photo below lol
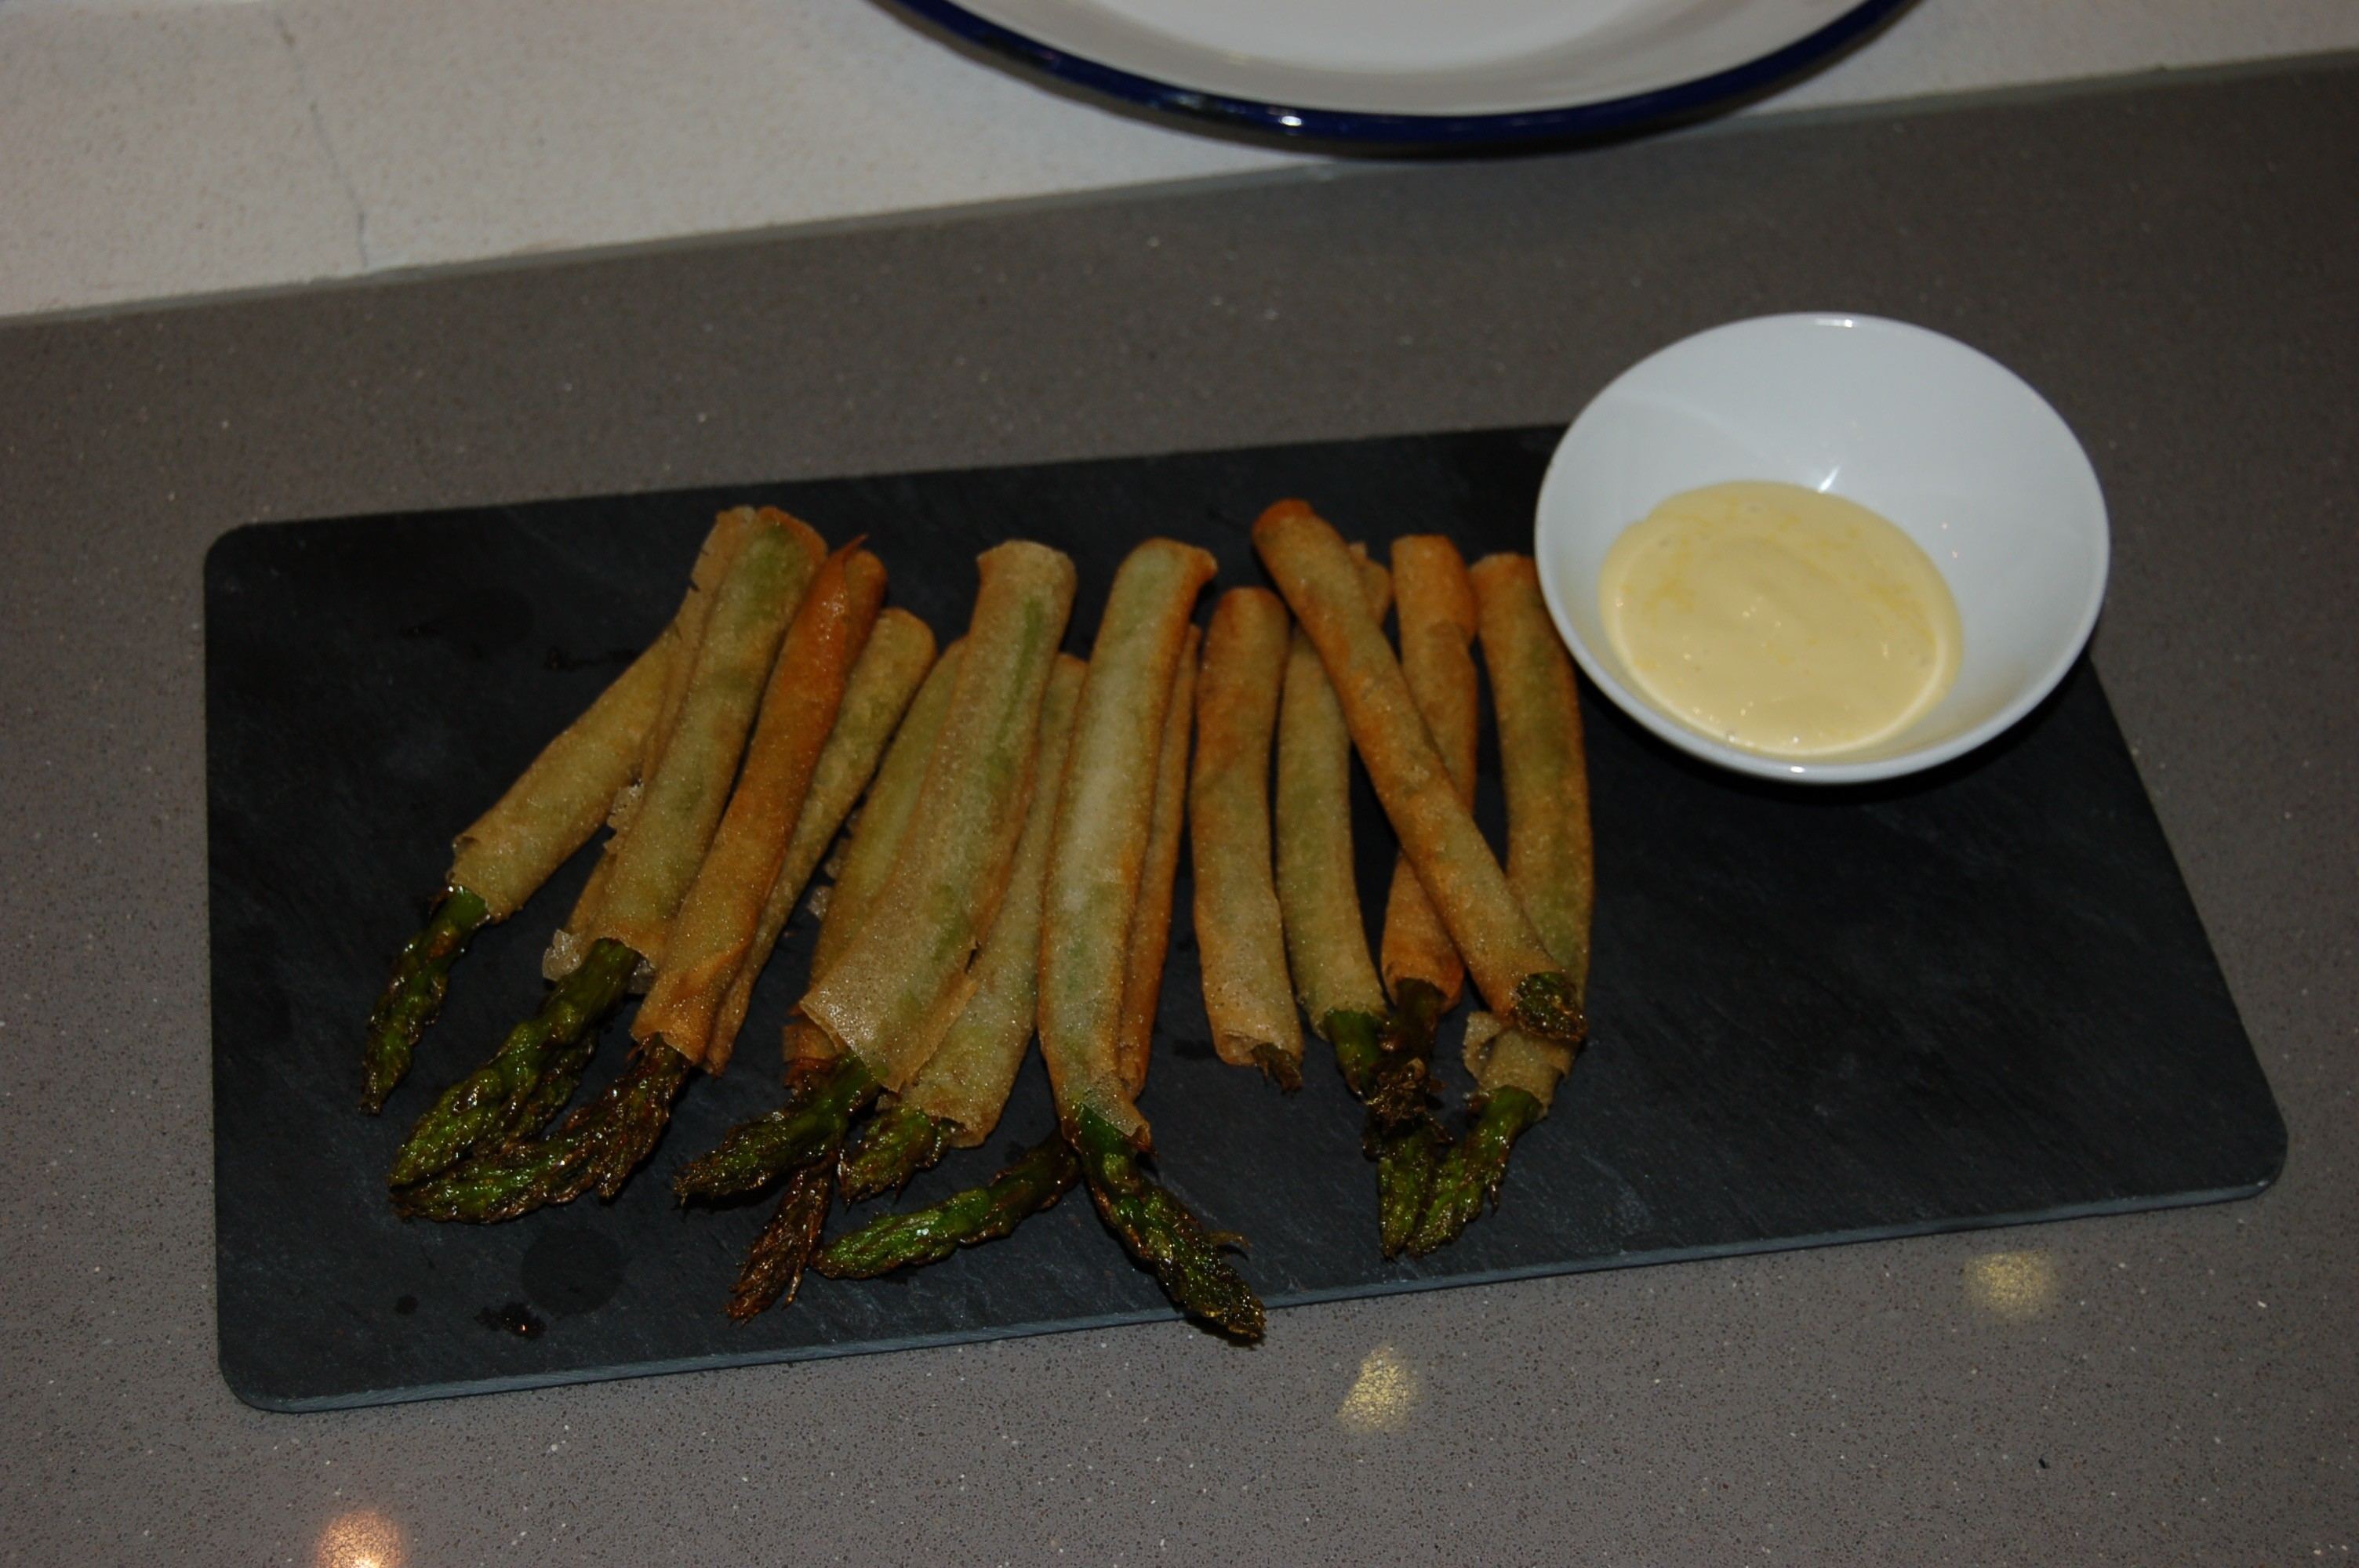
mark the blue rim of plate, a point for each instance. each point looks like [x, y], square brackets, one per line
[1282, 122]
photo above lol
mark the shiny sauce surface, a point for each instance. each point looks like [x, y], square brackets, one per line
[1781, 620]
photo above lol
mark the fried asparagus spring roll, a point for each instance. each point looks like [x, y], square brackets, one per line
[956, 1098]
[1041, 1175]
[1239, 938]
[713, 933]
[1380, 1050]
[1550, 867]
[1464, 881]
[1436, 604]
[1096, 862]
[797, 1142]
[612, 748]
[730, 530]
[1326, 939]
[899, 652]
[1098, 855]
[1150, 917]
[497, 1110]
[966, 1082]
[501, 860]
[805, 1131]
[683, 800]
[685, 637]
[885, 815]
[887, 1000]
[1545, 771]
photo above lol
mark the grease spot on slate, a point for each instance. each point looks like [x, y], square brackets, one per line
[572, 1271]
[479, 624]
[405, 1306]
[1192, 1050]
[514, 1318]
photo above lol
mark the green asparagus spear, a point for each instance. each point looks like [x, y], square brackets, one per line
[1033, 1181]
[1402, 1136]
[598, 1146]
[506, 1101]
[508, 1098]
[1550, 865]
[422, 976]
[1160, 1232]
[892, 1147]
[1409, 1163]
[774, 1268]
[806, 1129]
[505, 855]
[1468, 1176]
[1381, 1048]
[1382, 1058]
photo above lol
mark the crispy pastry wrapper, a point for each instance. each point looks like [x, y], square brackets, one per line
[1150, 917]
[1465, 882]
[899, 652]
[1543, 762]
[1503, 1058]
[1435, 600]
[680, 639]
[713, 933]
[885, 816]
[1239, 938]
[906, 976]
[558, 802]
[1317, 891]
[1545, 768]
[966, 1081]
[719, 552]
[681, 804]
[1099, 853]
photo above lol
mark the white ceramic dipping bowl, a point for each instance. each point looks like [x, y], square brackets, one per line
[1949, 443]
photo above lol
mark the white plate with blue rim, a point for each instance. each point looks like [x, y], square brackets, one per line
[1413, 75]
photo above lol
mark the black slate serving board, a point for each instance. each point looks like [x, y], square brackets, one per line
[1975, 998]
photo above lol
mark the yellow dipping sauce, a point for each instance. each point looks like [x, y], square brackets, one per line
[1780, 620]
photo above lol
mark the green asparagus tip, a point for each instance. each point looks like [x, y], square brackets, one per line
[1406, 1160]
[599, 1146]
[755, 1153]
[422, 976]
[894, 1146]
[492, 1106]
[1548, 1004]
[1468, 1176]
[1160, 1232]
[1033, 1182]
[773, 1271]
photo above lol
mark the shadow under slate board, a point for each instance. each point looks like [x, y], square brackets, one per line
[1973, 999]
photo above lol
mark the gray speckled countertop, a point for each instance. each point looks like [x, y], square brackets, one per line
[2171, 264]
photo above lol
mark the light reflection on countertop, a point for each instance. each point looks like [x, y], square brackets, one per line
[363, 1537]
[1383, 1396]
[2012, 1287]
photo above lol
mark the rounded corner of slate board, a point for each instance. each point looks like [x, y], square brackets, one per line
[2274, 1144]
[232, 549]
[249, 1381]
